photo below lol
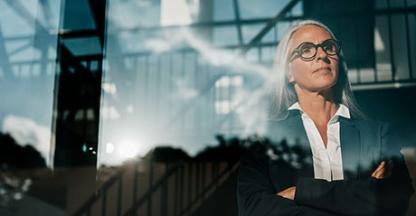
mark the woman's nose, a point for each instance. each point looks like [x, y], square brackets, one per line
[321, 54]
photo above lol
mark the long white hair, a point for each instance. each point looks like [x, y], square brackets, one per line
[285, 94]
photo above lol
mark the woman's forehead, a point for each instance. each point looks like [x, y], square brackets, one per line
[309, 33]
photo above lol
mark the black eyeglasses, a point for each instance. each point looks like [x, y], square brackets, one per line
[307, 50]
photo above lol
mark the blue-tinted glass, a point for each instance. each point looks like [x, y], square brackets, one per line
[223, 10]
[83, 46]
[260, 8]
[79, 15]
[250, 31]
[224, 36]
[27, 71]
[133, 13]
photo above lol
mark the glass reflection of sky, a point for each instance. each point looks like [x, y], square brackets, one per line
[154, 95]
[251, 9]
[27, 61]
[28, 53]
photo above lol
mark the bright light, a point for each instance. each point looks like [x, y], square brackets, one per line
[128, 149]
[109, 88]
[109, 148]
[125, 147]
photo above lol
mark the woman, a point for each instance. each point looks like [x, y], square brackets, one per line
[315, 105]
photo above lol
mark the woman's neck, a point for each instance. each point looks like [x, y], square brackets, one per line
[320, 106]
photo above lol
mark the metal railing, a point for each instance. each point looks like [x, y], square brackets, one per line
[193, 182]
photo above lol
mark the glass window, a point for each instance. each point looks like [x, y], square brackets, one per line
[27, 60]
[223, 10]
[250, 9]
[225, 36]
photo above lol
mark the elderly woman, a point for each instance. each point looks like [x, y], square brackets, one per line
[355, 166]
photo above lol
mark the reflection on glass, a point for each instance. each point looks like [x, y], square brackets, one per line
[27, 58]
[178, 86]
[223, 10]
[251, 9]
[28, 42]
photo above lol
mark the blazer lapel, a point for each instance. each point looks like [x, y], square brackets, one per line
[295, 124]
[290, 128]
[350, 138]
[350, 148]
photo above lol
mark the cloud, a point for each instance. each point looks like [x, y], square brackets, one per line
[26, 131]
[249, 104]
[215, 56]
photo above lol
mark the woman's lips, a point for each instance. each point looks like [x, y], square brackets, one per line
[322, 69]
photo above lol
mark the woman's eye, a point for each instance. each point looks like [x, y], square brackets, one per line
[307, 50]
[329, 47]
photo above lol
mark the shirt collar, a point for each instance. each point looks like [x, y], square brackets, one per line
[342, 111]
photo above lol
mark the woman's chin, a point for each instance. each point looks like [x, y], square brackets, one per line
[323, 86]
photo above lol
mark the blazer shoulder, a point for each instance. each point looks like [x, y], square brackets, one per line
[382, 128]
[369, 122]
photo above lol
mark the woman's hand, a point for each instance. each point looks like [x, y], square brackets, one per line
[288, 193]
[382, 171]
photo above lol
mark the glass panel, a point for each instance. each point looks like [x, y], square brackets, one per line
[223, 10]
[80, 15]
[179, 102]
[401, 59]
[225, 36]
[123, 13]
[260, 8]
[165, 93]
[411, 2]
[28, 53]
[396, 4]
[382, 49]
[250, 31]
[27, 59]
[380, 4]
[412, 41]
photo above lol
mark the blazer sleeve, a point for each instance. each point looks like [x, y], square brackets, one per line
[368, 196]
[256, 195]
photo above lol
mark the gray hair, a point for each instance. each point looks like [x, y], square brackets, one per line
[285, 94]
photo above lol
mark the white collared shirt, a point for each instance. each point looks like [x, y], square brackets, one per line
[327, 162]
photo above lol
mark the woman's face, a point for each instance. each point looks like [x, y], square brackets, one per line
[314, 74]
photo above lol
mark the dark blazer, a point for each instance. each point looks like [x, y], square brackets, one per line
[364, 144]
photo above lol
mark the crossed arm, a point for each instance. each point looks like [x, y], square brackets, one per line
[256, 196]
[381, 172]
[379, 194]
[386, 192]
